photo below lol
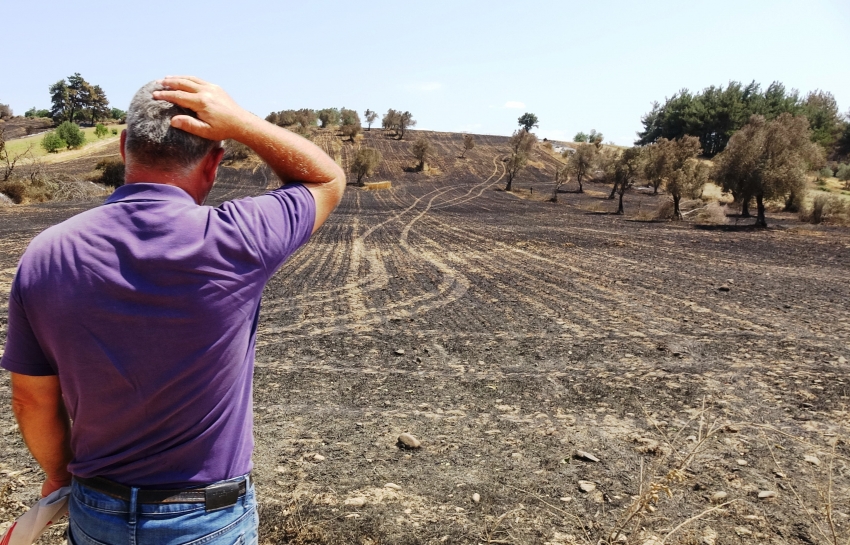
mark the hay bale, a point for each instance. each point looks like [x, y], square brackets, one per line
[378, 185]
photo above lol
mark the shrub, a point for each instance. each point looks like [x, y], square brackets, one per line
[100, 130]
[5, 111]
[52, 142]
[827, 208]
[112, 172]
[114, 132]
[23, 191]
[712, 214]
[825, 172]
[236, 151]
[71, 134]
[117, 114]
[33, 112]
[843, 173]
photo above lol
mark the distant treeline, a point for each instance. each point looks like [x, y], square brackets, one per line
[716, 113]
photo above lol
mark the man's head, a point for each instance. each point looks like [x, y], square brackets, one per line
[156, 152]
[153, 142]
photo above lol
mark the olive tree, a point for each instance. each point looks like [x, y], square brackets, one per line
[580, 162]
[562, 176]
[468, 144]
[71, 134]
[522, 143]
[768, 160]
[366, 161]
[626, 169]
[528, 121]
[422, 150]
[350, 123]
[328, 117]
[674, 164]
[370, 117]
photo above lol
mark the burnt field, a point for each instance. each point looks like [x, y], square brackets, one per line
[573, 376]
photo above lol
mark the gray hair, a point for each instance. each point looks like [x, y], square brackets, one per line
[151, 140]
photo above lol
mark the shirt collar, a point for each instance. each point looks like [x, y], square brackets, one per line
[149, 192]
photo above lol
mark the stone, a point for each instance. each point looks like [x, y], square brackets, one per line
[719, 497]
[586, 486]
[741, 462]
[407, 440]
[399, 352]
[812, 459]
[567, 499]
[709, 536]
[842, 360]
[476, 497]
[393, 486]
[584, 455]
[724, 288]
[742, 531]
[516, 455]
[767, 494]
[318, 458]
[357, 501]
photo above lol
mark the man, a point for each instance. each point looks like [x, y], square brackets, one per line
[136, 321]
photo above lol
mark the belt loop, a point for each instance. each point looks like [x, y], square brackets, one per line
[134, 509]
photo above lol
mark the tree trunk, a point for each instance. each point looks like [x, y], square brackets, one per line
[580, 187]
[760, 221]
[791, 202]
[613, 192]
[655, 191]
[745, 208]
[508, 187]
[620, 209]
[677, 214]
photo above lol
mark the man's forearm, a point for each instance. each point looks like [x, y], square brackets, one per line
[44, 425]
[291, 157]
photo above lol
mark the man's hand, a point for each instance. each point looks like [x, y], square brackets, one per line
[51, 485]
[291, 157]
[219, 117]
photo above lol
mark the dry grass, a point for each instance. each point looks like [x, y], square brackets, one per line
[826, 209]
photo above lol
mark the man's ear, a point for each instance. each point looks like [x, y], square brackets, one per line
[211, 162]
[123, 145]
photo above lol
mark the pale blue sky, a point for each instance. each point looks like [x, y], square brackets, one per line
[454, 64]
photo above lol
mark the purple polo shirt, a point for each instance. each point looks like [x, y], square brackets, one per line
[147, 308]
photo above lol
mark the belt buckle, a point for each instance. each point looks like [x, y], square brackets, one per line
[219, 496]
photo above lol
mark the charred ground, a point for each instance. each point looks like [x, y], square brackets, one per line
[508, 334]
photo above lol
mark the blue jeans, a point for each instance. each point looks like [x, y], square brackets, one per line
[99, 519]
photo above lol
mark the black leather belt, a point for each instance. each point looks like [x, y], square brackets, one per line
[215, 496]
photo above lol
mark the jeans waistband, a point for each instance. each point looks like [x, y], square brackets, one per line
[214, 496]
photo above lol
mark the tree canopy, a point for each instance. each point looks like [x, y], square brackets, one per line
[768, 159]
[580, 162]
[716, 113]
[522, 143]
[422, 150]
[370, 117]
[78, 99]
[674, 164]
[366, 160]
[528, 121]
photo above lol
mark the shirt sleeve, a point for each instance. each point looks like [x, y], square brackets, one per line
[23, 353]
[275, 224]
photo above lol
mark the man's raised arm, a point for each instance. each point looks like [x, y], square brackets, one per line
[291, 157]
